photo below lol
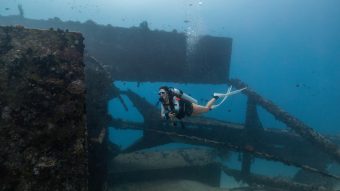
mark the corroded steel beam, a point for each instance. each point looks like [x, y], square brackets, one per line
[200, 138]
[273, 145]
[275, 142]
[298, 126]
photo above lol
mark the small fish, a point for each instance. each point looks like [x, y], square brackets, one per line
[186, 21]
[7, 8]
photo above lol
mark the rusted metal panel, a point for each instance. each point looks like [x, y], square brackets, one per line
[144, 55]
[140, 54]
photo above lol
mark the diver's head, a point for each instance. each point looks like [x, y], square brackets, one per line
[163, 92]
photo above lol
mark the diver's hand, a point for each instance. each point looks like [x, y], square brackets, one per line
[172, 115]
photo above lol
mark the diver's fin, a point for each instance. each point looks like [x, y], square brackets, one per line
[229, 93]
[223, 94]
[226, 95]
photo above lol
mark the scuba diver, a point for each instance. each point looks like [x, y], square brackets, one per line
[177, 104]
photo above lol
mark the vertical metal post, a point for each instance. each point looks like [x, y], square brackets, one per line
[252, 130]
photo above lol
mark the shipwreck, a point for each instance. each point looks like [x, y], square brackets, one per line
[73, 152]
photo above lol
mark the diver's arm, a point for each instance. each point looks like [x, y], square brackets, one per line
[163, 116]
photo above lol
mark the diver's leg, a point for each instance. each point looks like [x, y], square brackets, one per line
[211, 102]
[199, 109]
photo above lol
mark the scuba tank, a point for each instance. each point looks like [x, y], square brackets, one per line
[182, 95]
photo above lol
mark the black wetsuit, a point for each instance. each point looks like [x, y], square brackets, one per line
[178, 106]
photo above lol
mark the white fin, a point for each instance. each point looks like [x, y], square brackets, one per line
[226, 95]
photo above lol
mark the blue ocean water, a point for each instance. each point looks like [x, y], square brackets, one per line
[286, 50]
